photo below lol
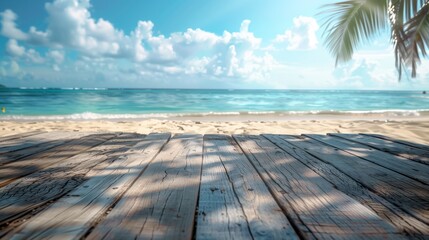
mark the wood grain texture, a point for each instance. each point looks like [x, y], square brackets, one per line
[28, 193]
[408, 195]
[315, 206]
[37, 162]
[411, 144]
[411, 169]
[71, 216]
[406, 151]
[18, 149]
[18, 135]
[403, 221]
[120, 186]
[32, 140]
[161, 203]
[234, 202]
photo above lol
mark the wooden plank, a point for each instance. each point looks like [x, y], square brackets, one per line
[411, 169]
[220, 213]
[71, 216]
[411, 144]
[386, 210]
[316, 208]
[234, 199]
[161, 203]
[412, 153]
[408, 195]
[35, 144]
[19, 135]
[25, 142]
[36, 162]
[27, 194]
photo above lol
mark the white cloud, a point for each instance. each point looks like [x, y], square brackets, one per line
[34, 56]
[366, 73]
[11, 70]
[302, 36]
[56, 56]
[193, 52]
[232, 61]
[17, 51]
[70, 25]
[14, 67]
[9, 28]
[13, 49]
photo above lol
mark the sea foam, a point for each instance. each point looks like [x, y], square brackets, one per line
[98, 116]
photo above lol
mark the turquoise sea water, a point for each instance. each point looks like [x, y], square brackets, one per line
[143, 103]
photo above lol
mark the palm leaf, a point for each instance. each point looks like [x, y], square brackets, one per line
[396, 16]
[349, 23]
[411, 7]
[417, 29]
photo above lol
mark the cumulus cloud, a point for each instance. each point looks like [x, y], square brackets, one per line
[366, 73]
[16, 51]
[70, 25]
[34, 56]
[13, 49]
[192, 52]
[56, 56]
[9, 28]
[302, 36]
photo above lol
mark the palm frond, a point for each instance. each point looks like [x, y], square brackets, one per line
[411, 7]
[349, 23]
[417, 29]
[396, 13]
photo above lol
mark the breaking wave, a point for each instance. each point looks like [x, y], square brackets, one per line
[98, 116]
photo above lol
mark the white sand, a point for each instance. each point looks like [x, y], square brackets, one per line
[416, 129]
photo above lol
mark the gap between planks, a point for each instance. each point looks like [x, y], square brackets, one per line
[33, 163]
[234, 202]
[73, 215]
[317, 208]
[414, 170]
[24, 147]
[406, 151]
[28, 194]
[161, 203]
[403, 221]
[409, 195]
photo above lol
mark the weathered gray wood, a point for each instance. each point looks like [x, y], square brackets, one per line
[411, 169]
[71, 216]
[234, 199]
[403, 221]
[28, 193]
[36, 162]
[316, 208]
[412, 153]
[25, 142]
[22, 148]
[408, 195]
[161, 203]
[5, 139]
[412, 144]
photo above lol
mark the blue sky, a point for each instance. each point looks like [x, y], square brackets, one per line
[183, 44]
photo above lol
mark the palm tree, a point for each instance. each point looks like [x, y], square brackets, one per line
[349, 23]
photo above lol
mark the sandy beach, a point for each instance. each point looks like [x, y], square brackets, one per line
[411, 129]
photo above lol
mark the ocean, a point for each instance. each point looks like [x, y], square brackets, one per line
[77, 103]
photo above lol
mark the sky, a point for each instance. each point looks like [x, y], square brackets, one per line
[252, 44]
